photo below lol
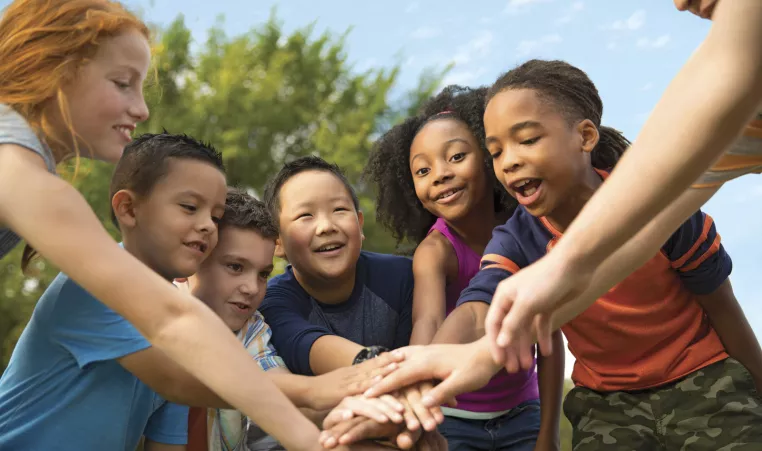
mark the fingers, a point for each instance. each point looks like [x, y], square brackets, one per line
[329, 438]
[436, 411]
[411, 420]
[413, 396]
[445, 391]
[406, 439]
[408, 373]
[381, 409]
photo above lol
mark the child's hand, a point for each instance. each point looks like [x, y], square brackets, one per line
[416, 414]
[359, 428]
[523, 305]
[352, 380]
[461, 368]
[382, 409]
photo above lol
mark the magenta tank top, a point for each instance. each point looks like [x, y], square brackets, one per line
[504, 391]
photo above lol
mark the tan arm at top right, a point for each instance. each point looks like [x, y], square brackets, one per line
[54, 218]
[702, 112]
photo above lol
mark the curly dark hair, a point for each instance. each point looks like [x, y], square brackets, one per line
[397, 206]
[570, 90]
[244, 211]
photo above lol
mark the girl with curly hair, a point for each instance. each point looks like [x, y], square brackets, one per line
[437, 189]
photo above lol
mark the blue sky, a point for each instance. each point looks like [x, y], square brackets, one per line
[631, 50]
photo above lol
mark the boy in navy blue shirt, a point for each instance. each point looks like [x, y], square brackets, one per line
[336, 304]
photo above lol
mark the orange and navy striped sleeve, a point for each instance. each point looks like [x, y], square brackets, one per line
[697, 254]
[502, 258]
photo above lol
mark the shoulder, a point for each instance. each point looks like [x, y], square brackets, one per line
[283, 289]
[15, 133]
[433, 253]
[386, 264]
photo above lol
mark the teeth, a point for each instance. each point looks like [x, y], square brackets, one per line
[521, 183]
[448, 193]
[329, 247]
[529, 191]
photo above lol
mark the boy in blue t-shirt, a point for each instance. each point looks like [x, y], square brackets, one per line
[81, 375]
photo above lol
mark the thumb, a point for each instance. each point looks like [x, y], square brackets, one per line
[445, 391]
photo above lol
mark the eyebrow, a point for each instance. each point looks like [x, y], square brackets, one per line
[447, 145]
[515, 128]
[198, 197]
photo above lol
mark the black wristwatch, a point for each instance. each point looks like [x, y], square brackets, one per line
[371, 352]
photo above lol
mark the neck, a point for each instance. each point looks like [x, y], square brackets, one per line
[131, 247]
[333, 291]
[565, 213]
[475, 229]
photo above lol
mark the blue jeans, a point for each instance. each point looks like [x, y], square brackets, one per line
[516, 430]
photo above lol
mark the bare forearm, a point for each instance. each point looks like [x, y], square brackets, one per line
[295, 387]
[550, 373]
[464, 325]
[424, 331]
[730, 323]
[712, 98]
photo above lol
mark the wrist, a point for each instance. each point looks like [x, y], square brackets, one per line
[481, 350]
[370, 352]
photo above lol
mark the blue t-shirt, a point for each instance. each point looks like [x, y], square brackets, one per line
[64, 390]
[378, 312]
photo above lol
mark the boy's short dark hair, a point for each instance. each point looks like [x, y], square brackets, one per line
[144, 161]
[303, 164]
[244, 211]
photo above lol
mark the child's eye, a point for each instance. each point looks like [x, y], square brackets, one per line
[531, 141]
[265, 275]
[191, 208]
[216, 219]
[303, 215]
[458, 156]
[121, 85]
[495, 155]
[421, 172]
[341, 209]
[236, 267]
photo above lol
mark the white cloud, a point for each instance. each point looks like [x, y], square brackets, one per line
[464, 77]
[425, 33]
[517, 6]
[655, 43]
[634, 22]
[528, 47]
[478, 47]
[571, 13]
[412, 7]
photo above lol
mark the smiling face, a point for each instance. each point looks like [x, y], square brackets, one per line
[232, 281]
[448, 169]
[538, 156]
[105, 99]
[174, 227]
[320, 229]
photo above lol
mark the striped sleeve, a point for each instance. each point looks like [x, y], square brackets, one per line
[502, 258]
[257, 342]
[697, 254]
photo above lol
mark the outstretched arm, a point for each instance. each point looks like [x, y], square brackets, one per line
[57, 221]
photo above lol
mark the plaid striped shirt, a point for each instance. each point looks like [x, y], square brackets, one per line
[226, 429]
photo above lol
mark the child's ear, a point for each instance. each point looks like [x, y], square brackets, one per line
[123, 204]
[589, 134]
[361, 220]
[279, 252]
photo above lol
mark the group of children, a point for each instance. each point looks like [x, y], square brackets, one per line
[483, 181]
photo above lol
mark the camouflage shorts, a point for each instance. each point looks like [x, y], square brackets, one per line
[714, 408]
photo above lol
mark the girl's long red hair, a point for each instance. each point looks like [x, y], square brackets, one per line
[43, 43]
